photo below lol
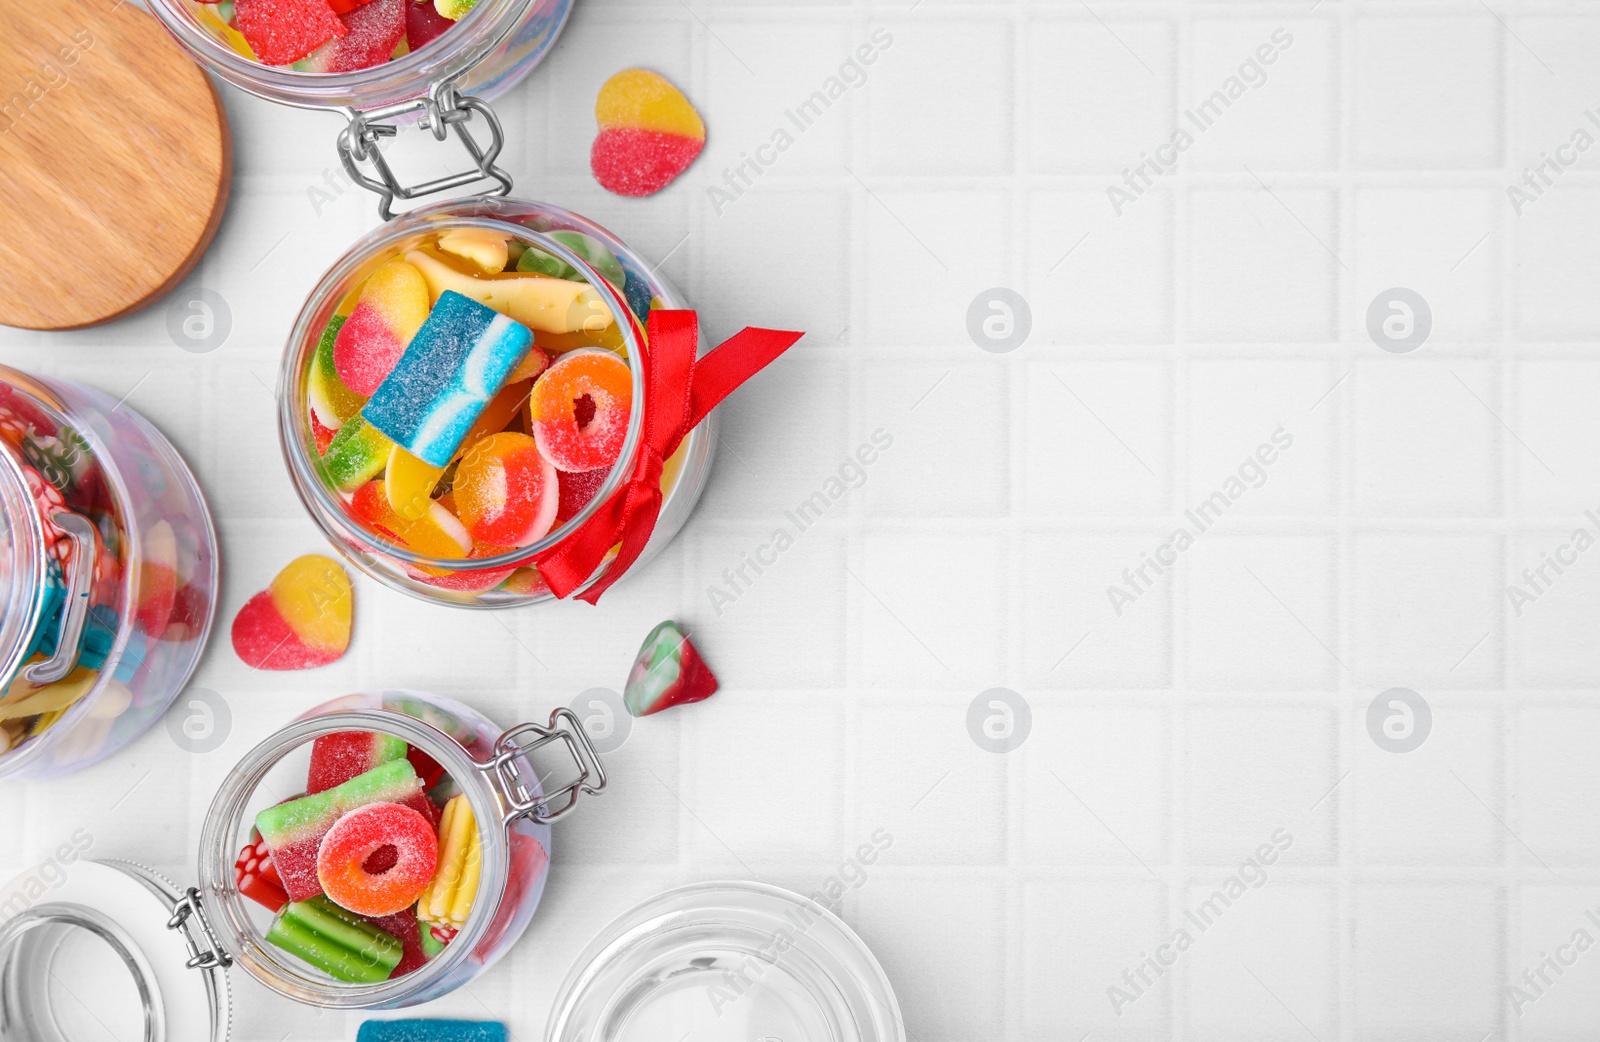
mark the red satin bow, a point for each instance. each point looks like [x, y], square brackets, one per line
[679, 392]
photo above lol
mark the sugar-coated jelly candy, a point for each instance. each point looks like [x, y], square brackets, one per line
[342, 858]
[540, 303]
[338, 942]
[409, 483]
[336, 758]
[432, 1031]
[577, 489]
[403, 926]
[438, 533]
[448, 899]
[579, 410]
[668, 672]
[372, 31]
[454, 365]
[649, 133]
[332, 403]
[594, 251]
[390, 307]
[255, 878]
[294, 830]
[357, 453]
[506, 490]
[423, 23]
[284, 31]
[302, 620]
[455, 10]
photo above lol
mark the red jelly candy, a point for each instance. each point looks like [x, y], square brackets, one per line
[577, 490]
[255, 877]
[634, 162]
[336, 758]
[284, 31]
[372, 31]
[423, 23]
[342, 859]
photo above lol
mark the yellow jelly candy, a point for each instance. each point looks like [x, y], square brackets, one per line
[447, 901]
[312, 595]
[482, 247]
[537, 301]
[409, 483]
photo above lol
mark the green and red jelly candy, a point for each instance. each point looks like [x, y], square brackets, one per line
[668, 672]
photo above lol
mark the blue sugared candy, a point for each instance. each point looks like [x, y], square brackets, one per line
[456, 362]
[431, 1031]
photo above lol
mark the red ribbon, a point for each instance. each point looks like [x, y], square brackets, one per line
[679, 392]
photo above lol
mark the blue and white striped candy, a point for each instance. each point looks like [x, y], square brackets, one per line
[457, 362]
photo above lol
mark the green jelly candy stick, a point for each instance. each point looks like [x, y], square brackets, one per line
[345, 948]
[356, 454]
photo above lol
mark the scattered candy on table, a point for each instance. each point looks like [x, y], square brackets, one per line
[431, 1031]
[301, 621]
[668, 672]
[649, 133]
[328, 35]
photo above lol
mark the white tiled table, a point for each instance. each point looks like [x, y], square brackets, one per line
[1167, 743]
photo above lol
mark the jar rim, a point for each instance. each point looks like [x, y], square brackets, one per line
[322, 502]
[447, 57]
[226, 906]
[22, 567]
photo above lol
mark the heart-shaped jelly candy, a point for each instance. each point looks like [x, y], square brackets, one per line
[302, 620]
[649, 133]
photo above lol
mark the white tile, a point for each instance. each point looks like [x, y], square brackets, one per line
[1416, 420]
[1551, 257]
[1425, 961]
[1262, 263]
[1430, 610]
[1251, 771]
[1446, 244]
[1552, 590]
[1555, 783]
[1236, 410]
[1554, 992]
[910, 633]
[925, 471]
[1426, 91]
[1098, 97]
[921, 119]
[1098, 438]
[1263, 93]
[1099, 272]
[1077, 940]
[1551, 414]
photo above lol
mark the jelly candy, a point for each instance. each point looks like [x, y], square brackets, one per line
[427, 768]
[335, 941]
[158, 579]
[447, 901]
[488, 250]
[432, 1031]
[284, 31]
[506, 490]
[356, 837]
[372, 31]
[423, 23]
[436, 534]
[435, 938]
[594, 251]
[579, 410]
[357, 453]
[639, 297]
[456, 362]
[543, 304]
[471, 580]
[455, 10]
[577, 489]
[649, 133]
[668, 672]
[294, 830]
[403, 926]
[301, 621]
[321, 435]
[507, 404]
[255, 878]
[526, 581]
[336, 758]
[409, 483]
[527, 370]
[391, 306]
[332, 403]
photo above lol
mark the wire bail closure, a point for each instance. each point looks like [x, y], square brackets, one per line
[443, 110]
[517, 793]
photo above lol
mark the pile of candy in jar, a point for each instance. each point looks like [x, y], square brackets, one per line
[64, 479]
[367, 876]
[328, 35]
[471, 395]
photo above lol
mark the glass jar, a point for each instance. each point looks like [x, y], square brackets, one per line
[486, 53]
[492, 581]
[178, 942]
[726, 962]
[108, 575]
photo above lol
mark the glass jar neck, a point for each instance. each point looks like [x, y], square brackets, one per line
[22, 566]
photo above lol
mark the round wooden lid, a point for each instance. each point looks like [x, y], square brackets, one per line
[114, 162]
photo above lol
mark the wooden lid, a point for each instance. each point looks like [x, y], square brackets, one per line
[115, 157]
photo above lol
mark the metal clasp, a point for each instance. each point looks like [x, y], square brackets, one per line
[443, 110]
[211, 956]
[516, 792]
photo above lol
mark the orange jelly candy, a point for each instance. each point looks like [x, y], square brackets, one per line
[579, 410]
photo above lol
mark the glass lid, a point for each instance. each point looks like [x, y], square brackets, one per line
[726, 962]
[22, 564]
